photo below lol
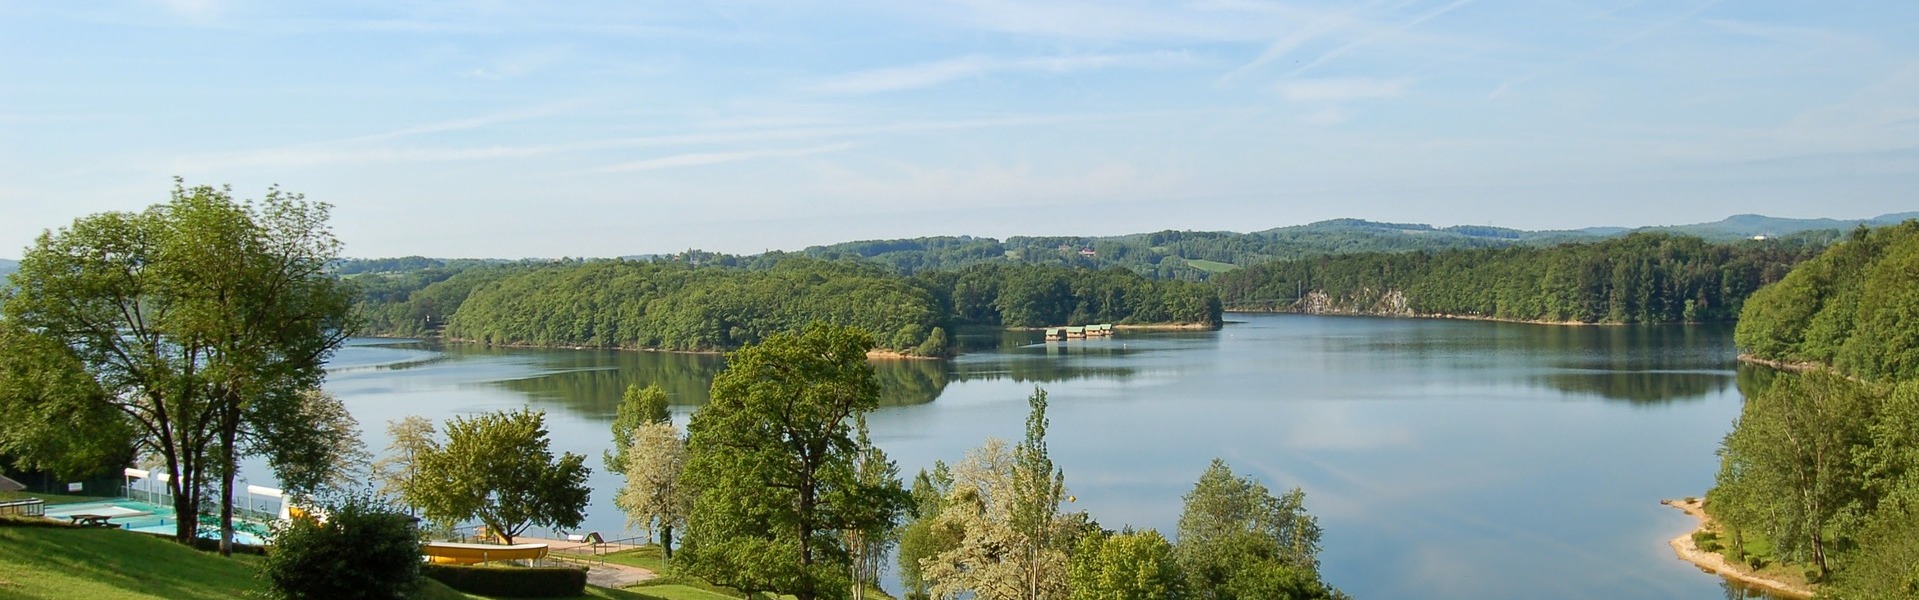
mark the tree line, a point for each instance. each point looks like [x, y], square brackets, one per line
[1821, 472]
[1639, 278]
[674, 305]
[1851, 308]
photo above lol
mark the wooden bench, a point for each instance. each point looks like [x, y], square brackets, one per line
[91, 520]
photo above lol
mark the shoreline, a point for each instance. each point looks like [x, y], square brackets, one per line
[1713, 562]
[1451, 317]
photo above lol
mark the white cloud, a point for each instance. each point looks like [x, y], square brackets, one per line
[893, 79]
[1341, 89]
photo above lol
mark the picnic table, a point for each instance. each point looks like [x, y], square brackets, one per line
[91, 520]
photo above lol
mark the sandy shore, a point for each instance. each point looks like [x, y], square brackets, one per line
[1715, 563]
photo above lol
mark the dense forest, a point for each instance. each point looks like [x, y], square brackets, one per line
[1639, 278]
[1198, 255]
[674, 305]
[1852, 308]
[1189, 255]
[1820, 475]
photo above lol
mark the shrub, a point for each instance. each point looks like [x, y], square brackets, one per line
[511, 582]
[361, 550]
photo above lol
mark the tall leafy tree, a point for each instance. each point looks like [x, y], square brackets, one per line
[497, 468]
[924, 536]
[58, 418]
[874, 524]
[413, 438]
[1013, 542]
[639, 407]
[654, 498]
[771, 465]
[1792, 464]
[1126, 566]
[1237, 541]
[1038, 488]
[201, 320]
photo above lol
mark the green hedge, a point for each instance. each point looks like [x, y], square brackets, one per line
[510, 582]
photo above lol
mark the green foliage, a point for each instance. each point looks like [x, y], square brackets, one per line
[203, 320]
[1790, 462]
[511, 582]
[1126, 566]
[497, 468]
[772, 465]
[1640, 278]
[675, 306]
[361, 550]
[1239, 542]
[1852, 308]
[672, 305]
[654, 497]
[58, 419]
[639, 406]
[873, 526]
[924, 536]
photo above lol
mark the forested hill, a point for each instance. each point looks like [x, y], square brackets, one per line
[1855, 308]
[1190, 255]
[1197, 255]
[7, 267]
[675, 305]
[1640, 278]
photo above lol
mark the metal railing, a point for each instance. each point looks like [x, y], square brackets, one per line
[31, 507]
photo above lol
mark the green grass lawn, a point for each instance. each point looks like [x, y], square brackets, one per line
[48, 498]
[113, 564]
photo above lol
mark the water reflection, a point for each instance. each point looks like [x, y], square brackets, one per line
[1446, 459]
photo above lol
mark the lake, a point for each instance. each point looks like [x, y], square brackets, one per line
[1444, 459]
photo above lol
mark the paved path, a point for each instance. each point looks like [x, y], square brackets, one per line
[608, 575]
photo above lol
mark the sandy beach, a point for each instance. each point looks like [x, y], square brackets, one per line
[1715, 563]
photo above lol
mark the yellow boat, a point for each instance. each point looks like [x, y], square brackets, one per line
[452, 553]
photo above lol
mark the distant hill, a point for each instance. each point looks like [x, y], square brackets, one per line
[1746, 226]
[8, 266]
[1192, 255]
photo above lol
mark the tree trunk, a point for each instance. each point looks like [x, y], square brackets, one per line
[229, 427]
[666, 540]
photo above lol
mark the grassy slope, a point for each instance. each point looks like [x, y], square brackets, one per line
[107, 564]
[111, 564]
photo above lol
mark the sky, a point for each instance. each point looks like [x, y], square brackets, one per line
[588, 128]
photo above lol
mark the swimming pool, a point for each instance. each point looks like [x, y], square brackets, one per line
[140, 516]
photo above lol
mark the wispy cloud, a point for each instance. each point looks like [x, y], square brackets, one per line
[362, 150]
[1381, 34]
[893, 79]
[1314, 29]
[1629, 38]
[1341, 89]
[696, 159]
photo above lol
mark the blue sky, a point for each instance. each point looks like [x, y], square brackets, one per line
[510, 129]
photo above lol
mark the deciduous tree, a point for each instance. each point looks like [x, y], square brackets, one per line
[201, 320]
[771, 465]
[654, 499]
[1239, 542]
[497, 468]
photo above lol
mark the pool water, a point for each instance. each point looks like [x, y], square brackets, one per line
[144, 517]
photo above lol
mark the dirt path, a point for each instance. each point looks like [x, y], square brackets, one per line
[1716, 563]
[614, 576]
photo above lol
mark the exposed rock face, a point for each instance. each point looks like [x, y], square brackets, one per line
[1367, 301]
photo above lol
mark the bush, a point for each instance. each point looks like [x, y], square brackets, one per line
[361, 550]
[1706, 540]
[511, 582]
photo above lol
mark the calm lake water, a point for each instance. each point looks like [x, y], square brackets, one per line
[1444, 459]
